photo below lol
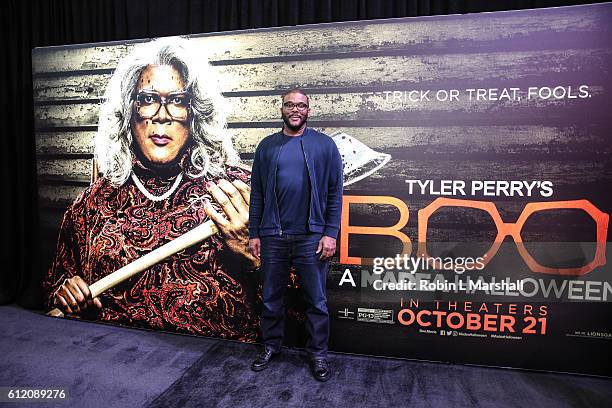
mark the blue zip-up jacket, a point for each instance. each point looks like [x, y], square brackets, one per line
[324, 167]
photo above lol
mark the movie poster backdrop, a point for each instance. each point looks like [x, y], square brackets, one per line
[477, 153]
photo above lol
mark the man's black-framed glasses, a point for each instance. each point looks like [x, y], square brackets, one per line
[290, 105]
[178, 104]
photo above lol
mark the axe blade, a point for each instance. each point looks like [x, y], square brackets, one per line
[358, 160]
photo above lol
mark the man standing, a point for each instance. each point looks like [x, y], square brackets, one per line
[294, 218]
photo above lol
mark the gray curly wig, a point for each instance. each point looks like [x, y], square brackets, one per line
[212, 143]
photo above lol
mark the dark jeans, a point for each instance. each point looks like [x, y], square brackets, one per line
[278, 253]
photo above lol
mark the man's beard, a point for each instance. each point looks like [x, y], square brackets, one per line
[294, 128]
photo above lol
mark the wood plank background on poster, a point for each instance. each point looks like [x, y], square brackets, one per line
[348, 69]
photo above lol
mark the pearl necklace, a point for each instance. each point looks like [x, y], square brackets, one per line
[155, 198]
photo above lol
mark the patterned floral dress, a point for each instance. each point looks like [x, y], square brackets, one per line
[204, 290]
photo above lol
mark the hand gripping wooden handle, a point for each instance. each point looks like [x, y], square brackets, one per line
[198, 234]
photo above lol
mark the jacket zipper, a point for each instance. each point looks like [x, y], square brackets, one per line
[309, 178]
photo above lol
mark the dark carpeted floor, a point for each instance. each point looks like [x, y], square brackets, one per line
[106, 366]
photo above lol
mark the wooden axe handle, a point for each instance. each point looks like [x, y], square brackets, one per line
[198, 234]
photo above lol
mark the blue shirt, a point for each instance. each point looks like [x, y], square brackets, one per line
[292, 187]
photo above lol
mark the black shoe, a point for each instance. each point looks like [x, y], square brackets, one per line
[262, 360]
[320, 369]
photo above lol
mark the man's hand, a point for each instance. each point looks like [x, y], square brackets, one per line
[233, 198]
[74, 297]
[327, 247]
[255, 247]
